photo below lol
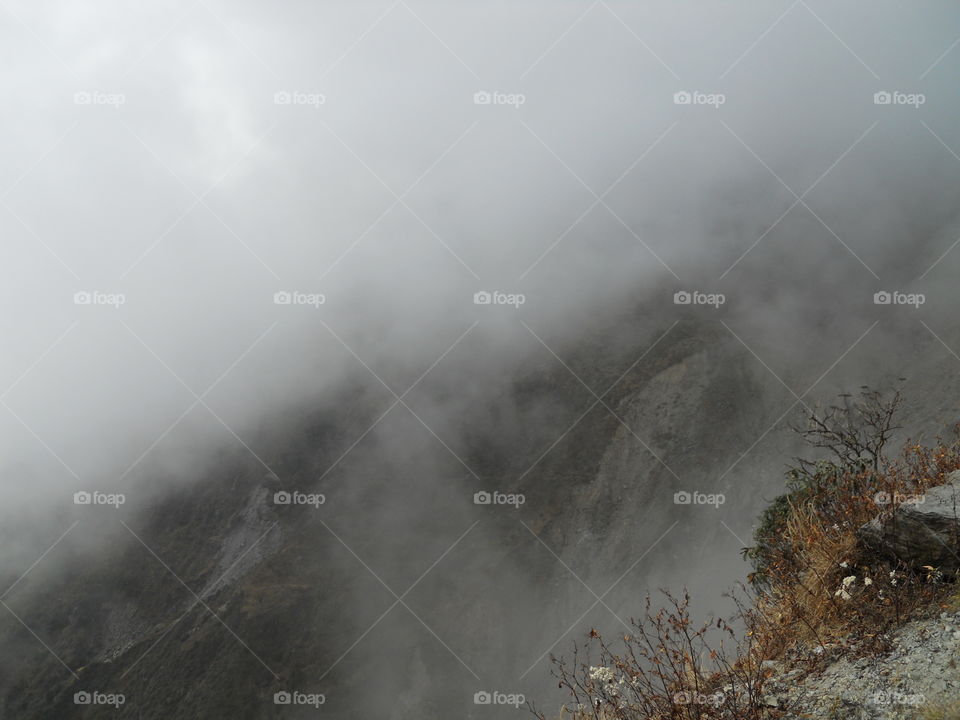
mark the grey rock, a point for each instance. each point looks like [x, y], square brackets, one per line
[922, 533]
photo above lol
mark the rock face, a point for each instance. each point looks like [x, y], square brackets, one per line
[922, 531]
[916, 677]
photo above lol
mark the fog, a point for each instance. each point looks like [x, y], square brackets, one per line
[170, 168]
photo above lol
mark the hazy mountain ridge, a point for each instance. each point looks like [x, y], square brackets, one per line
[599, 499]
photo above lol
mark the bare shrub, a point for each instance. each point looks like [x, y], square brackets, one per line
[668, 667]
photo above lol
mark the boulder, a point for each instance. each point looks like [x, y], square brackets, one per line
[922, 530]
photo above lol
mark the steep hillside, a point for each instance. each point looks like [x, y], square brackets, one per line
[399, 597]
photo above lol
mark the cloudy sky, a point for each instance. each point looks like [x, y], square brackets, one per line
[183, 162]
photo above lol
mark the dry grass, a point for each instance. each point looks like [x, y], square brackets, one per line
[819, 585]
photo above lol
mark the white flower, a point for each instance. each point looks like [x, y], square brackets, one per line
[867, 581]
[842, 590]
[843, 564]
[603, 674]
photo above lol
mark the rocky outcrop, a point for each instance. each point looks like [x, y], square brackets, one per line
[921, 530]
[918, 675]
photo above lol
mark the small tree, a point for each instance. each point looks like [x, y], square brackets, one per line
[856, 431]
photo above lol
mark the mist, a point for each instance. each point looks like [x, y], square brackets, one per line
[217, 217]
